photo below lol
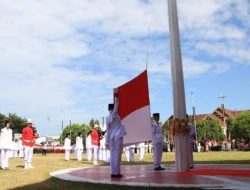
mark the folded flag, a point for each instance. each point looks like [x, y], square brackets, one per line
[134, 109]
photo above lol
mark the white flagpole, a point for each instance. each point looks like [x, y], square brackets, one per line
[181, 140]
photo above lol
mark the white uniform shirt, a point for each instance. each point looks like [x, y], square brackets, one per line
[115, 129]
[67, 144]
[157, 136]
[6, 138]
[79, 143]
[88, 141]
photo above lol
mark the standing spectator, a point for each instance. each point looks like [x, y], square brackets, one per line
[79, 146]
[209, 145]
[95, 137]
[89, 146]
[171, 146]
[233, 144]
[6, 143]
[157, 139]
[28, 138]
[67, 146]
[206, 145]
[229, 144]
[44, 151]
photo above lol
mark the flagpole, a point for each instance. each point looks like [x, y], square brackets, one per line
[179, 104]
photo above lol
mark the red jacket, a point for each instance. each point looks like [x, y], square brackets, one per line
[95, 137]
[28, 137]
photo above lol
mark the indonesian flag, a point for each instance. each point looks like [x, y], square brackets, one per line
[134, 109]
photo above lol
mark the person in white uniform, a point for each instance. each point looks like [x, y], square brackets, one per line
[79, 146]
[6, 144]
[67, 147]
[141, 147]
[132, 153]
[157, 139]
[114, 138]
[88, 146]
[126, 151]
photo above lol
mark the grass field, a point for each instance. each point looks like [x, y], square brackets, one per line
[39, 178]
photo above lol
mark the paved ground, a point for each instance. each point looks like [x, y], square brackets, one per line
[207, 176]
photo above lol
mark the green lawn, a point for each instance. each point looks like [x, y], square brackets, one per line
[39, 178]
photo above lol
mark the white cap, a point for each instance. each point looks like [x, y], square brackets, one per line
[29, 121]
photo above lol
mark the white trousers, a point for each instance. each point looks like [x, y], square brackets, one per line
[21, 153]
[115, 155]
[158, 149]
[107, 156]
[79, 154]
[89, 154]
[127, 154]
[67, 152]
[5, 153]
[96, 149]
[141, 154]
[104, 153]
[131, 154]
[28, 154]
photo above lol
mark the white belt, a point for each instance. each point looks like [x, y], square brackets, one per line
[27, 140]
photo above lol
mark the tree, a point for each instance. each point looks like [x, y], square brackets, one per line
[209, 129]
[2, 119]
[17, 122]
[240, 126]
[74, 130]
[92, 122]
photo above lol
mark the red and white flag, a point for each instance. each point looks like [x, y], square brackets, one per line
[134, 109]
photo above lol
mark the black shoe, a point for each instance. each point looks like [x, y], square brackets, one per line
[192, 167]
[159, 168]
[116, 175]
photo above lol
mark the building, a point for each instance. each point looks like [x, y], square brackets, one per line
[220, 114]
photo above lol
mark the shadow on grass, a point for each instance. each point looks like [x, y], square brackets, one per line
[57, 184]
[20, 166]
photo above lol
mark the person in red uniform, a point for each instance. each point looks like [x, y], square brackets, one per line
[95, 141]
[28, 138]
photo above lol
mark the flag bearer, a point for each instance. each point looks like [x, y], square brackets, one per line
[79, 146]
[6, 143]
[157, 139]
[28, 138]
[114, 138]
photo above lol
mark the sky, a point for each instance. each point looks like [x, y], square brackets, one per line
[60, 59]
